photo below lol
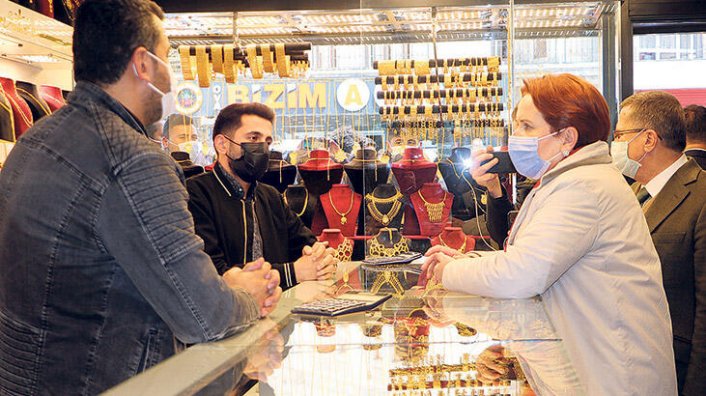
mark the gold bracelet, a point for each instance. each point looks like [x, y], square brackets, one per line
[203, 67]
[282, 60]
[187, 63]
[217, 58]
[228, 69]
[386, 68]
[267, 61]
[254, 62]
[421, 67]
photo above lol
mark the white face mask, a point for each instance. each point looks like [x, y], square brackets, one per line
[168, 98]
[627, 165]
[193, 147]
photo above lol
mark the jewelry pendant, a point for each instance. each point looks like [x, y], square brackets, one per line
[385, 220]
[344, 220]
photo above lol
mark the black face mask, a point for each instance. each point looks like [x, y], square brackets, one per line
[252, 165]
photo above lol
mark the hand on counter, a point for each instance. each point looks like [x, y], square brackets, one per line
[480, 172]
[437, 258]
[316, 263]
[265, 355]
[260, 280]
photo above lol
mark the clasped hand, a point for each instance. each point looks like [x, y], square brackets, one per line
[260, 280]
[437, 258]
[316, 263]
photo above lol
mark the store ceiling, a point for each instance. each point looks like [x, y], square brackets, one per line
[386, 25]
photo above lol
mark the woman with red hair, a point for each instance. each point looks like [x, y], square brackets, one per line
[580, 242]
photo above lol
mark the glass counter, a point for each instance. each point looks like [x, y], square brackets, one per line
[419, 342]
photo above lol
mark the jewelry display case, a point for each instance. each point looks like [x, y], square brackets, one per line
[373, 96]
[419, 343]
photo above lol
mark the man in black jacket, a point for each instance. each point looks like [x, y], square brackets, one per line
[696, 134]
[241, 220]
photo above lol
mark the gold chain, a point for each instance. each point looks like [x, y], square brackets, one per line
[435, 211]
[344, 219]
[306, 202]
[462, 249]
[384, 218]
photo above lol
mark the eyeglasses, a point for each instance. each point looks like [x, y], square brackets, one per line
[619, 133]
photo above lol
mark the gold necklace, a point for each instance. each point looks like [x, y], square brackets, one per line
[435, 211]
[462, 249]
[377, 249]
[306, 202]
[344, 219]
[384, 218]
[344, 251]
[461, 176]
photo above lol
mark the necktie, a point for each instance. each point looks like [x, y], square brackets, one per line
[642, 196]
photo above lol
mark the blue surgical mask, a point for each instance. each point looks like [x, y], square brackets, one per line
[627, 165]
[525, 157]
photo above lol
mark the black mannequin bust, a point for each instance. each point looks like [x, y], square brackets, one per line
[300, 202]
[280, 173]
[366, 172]
[30, 93]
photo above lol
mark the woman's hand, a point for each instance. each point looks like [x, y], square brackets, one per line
[480, 172]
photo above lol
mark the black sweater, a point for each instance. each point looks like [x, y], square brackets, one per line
[223, 219]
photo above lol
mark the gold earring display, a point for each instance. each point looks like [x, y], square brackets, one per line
[187, 63]
[203, 67]
[217, 58]
[267, 62]
[228, 68]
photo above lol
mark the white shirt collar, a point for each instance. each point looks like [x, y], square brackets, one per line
[657, 183]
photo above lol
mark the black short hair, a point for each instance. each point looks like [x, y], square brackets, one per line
[229, 118]
[695, 124]
[106, 34]
[661, 112]
[176, 119]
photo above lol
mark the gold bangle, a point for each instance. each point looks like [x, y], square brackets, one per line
[421, 67]
[228, 69]
[282, 60]
[217, 58]
[254, 62]
[385, 68]
[203, 67]
[187, 63]
[383, 80]
[267, 62]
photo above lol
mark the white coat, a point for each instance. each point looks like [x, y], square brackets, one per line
[582, 243]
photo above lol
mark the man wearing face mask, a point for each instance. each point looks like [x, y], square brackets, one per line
[241, 220]
[103, 275]
[649, 139]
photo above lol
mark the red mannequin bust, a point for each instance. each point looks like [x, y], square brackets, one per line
[432, 205]
[21, 112]
[341, 206]
[320, 172]
[53, 97]
[336, 240]
[454, 238]
[413, 170]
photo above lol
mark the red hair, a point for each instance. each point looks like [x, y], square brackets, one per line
[566, 100]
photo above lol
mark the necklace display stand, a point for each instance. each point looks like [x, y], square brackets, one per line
[21, 113]
[52, 96]
[301, 203]
[454, 238]
[432, 206]
[30, 93]
[338, 242]
[280, 173]
[341, 207]
[413, 170]
[320, 172]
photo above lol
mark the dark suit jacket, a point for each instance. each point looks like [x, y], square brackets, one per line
[677, 222]
[698, 155]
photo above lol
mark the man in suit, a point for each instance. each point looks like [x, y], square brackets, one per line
[648, 143]
[696, 134]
